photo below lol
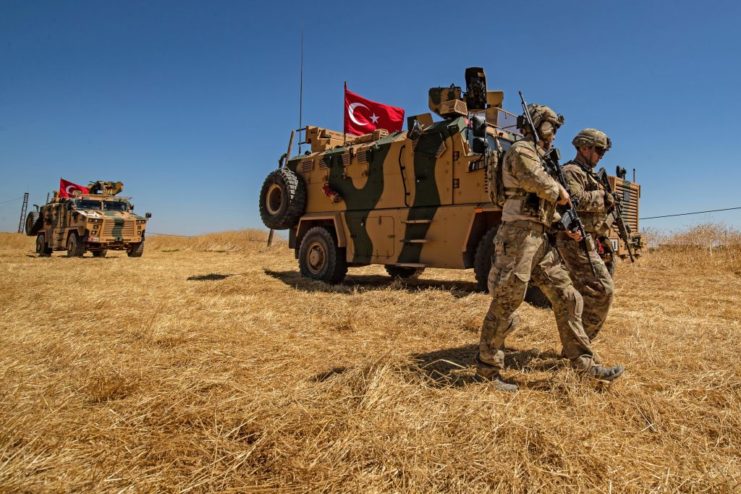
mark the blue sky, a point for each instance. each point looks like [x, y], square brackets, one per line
[190, 104]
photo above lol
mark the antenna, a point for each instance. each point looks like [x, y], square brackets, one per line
[301, 94]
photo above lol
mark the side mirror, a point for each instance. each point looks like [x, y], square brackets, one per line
[147, 215]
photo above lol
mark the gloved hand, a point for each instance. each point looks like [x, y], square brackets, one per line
[609, 200]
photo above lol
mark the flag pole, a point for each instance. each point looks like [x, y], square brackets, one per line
[344, 120]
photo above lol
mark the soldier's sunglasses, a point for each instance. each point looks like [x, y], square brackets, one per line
[600, 151]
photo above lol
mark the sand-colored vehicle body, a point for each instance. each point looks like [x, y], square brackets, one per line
[630, 194]
[407, 200]
[95, 222]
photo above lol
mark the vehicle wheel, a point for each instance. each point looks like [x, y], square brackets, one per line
[75, 247]
[535, 297]
[41, 248]
[483, 259]
[319, 257]
[31, 222]
[282, 199]
[404, 273]
[136, 250]
[100, 253]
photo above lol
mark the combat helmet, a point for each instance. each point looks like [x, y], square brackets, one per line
[592, 138]
[540, 114]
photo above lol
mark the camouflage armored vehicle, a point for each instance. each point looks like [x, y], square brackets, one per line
[98, 221]
[407, 200]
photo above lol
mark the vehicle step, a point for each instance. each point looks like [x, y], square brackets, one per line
[415, 241]
[417, 222]
[410, 265]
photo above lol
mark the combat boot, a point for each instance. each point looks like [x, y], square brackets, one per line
[595, 358]
[491, 374]
[602, 373]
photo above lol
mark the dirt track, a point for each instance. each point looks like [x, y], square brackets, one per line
[210, 364]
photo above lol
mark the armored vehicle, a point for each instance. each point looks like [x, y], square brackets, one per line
[407, 200]
[97, 221]
[629, 193]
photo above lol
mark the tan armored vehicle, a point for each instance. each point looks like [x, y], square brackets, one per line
[407, 200]
[97, 222]
[630, 194]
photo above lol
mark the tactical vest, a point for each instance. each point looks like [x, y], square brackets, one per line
[598, 224]
[520, 204]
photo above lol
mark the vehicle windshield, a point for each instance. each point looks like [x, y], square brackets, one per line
[87, 204]
[115, 206]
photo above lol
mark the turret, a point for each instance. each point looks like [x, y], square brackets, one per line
[451, 102]
[105, 188]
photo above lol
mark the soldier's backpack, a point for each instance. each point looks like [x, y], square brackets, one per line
[494, 185]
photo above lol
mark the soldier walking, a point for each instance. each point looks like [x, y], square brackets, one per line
[593, 205]
[523, 254]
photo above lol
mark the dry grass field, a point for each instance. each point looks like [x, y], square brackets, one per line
[209, 364]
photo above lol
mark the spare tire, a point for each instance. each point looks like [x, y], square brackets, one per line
[282, 199]
[33, 223]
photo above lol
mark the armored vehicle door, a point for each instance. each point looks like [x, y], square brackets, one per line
[469, 170]
[434, 153]
[58, 224]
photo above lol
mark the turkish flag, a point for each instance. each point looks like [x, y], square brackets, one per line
[363, 115]
[68, 189]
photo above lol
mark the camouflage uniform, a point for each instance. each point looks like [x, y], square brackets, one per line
[596, 289]
[522, 254]
[593, 208]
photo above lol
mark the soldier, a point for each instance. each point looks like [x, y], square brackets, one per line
[523, 254]
[593, 206]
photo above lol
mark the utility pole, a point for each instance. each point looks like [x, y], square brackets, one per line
[24, 208]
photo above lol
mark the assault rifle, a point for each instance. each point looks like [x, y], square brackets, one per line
[569, 217]
[622, 227]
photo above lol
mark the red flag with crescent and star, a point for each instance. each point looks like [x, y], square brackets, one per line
[69, 189]
[363, 115]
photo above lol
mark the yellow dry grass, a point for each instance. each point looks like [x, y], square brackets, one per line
[209, 364]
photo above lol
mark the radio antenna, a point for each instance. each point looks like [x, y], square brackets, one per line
[301, 94]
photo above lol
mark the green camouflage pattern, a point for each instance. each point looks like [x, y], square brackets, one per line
[409, 199]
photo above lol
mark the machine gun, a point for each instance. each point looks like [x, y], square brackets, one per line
[105, 187]
[570, 220]
[622, 227]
